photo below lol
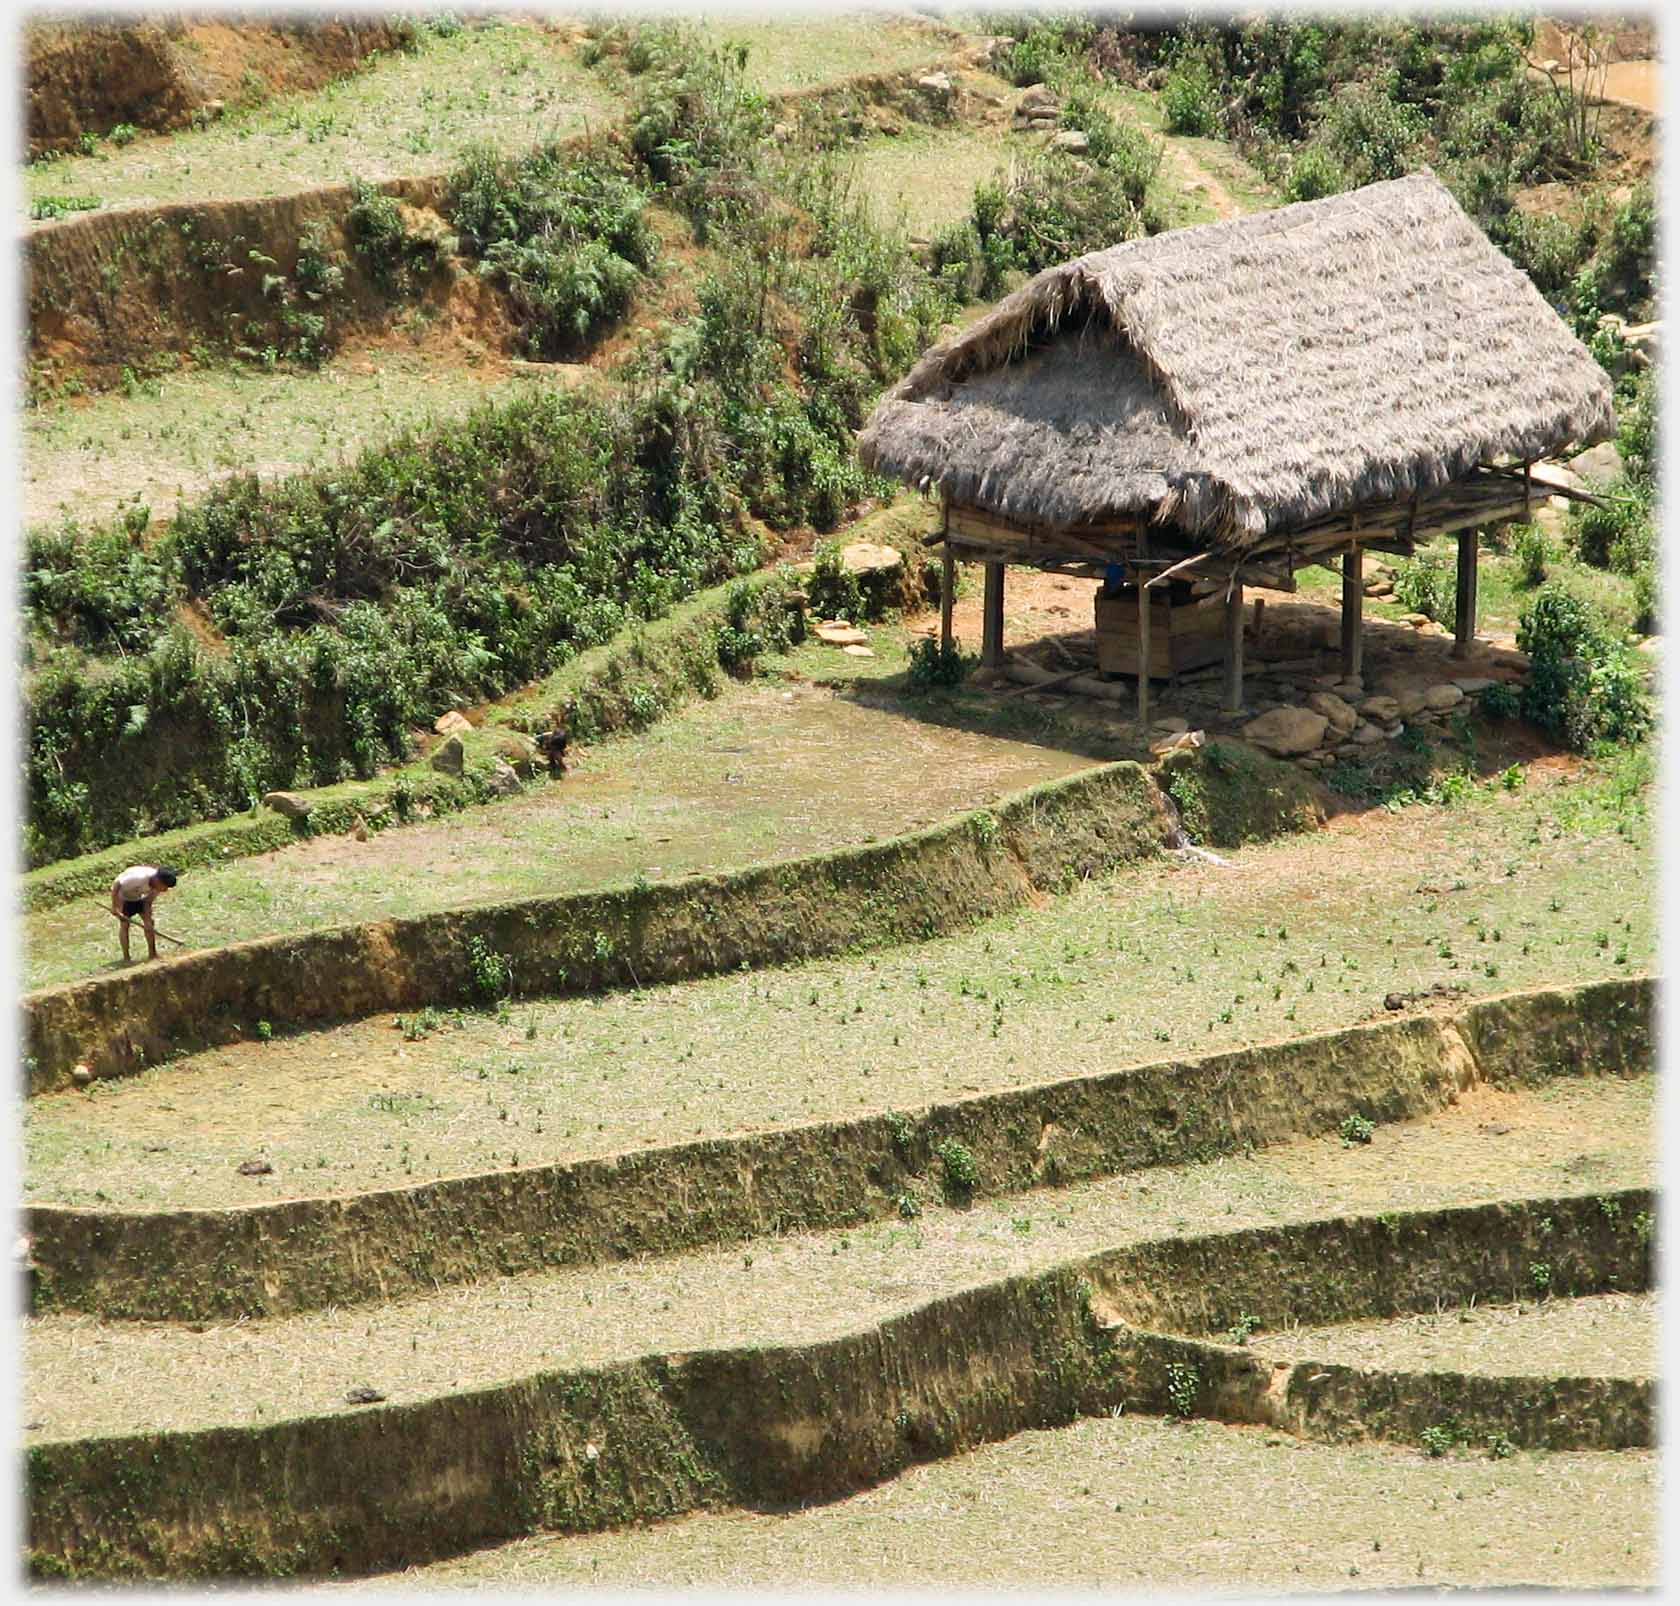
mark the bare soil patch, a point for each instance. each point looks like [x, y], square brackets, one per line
[1141, 1504]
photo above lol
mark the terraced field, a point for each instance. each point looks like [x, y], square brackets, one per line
[838, 1133]
[509, 83]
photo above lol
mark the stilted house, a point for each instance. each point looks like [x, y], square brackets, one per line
[1220, 405]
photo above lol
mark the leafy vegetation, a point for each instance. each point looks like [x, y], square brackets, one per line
[1585, 684]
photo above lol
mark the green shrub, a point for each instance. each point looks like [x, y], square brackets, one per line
[1055, 207]
[396, 260]
[1313, 174]
[1047, 51]
[1190, 96]
[932, 663]
[834, 591]
[1533, 551]
[1585, 685]
[1428, 584]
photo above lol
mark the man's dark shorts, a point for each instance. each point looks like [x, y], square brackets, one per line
[133, 908]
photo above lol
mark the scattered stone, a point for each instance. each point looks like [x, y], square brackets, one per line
[1287, 731]
[1037, 98]
[1380, 709]
[82, 1074]
[451, 758]
[1366, 733]
[1070, 139]
[856, 651]
[504, 779]
[1409, 702]
[1398, 728]
[1443, 697]
[453, 721]
[1601, 462]
[1380, 588]
[1354, 686]
[363, 1395]
[288, 804]
[255, 1168]
[1471, 684]
[1333, 709]
[837, 633]
[1417, 620]
[1495, 1129]
[520, 752]
[935, 83]
[1162, 745]
[1395, 1001]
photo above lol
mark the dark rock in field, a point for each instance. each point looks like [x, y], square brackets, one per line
[288, 804]
[363, 1395]
[255, 1168]
[504, 782]
[1495, 1129]
[1395, 1001]
[450, 758]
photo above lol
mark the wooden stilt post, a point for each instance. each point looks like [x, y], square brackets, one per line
[991, 630]
[1464, 635]
[1234, 648]
[1143, 656]
[947, 596]
[1353, 611]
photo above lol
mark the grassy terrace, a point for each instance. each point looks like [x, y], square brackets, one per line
[512, 85]
[1139, 1503]
[1608, 1335]
[176, 436]
[765, 772]
[1546, 885]
[85, 1377]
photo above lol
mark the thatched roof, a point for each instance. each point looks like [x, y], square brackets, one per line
[1238, 379]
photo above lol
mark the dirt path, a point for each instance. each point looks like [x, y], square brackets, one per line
[1195, 175]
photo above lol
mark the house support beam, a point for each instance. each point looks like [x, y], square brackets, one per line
[947, 596]
[1353, 611]
[1234, 648]
[1464, 635]
[991, 625]
[1143, 657]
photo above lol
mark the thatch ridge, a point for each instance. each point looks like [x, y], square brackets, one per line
[1321, 356]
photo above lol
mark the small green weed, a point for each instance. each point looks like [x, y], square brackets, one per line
[1356, 1129]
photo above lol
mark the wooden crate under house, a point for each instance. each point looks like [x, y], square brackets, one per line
[1185, 631]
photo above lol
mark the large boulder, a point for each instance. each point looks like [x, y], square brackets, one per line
[451, 758]
[1287, 731]
[288, 804]
[451, 724]
[504, 782]
[1442, 697]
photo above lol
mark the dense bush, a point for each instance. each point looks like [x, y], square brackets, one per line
[1585, 685]
[1428, 585]
[1190, 95]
